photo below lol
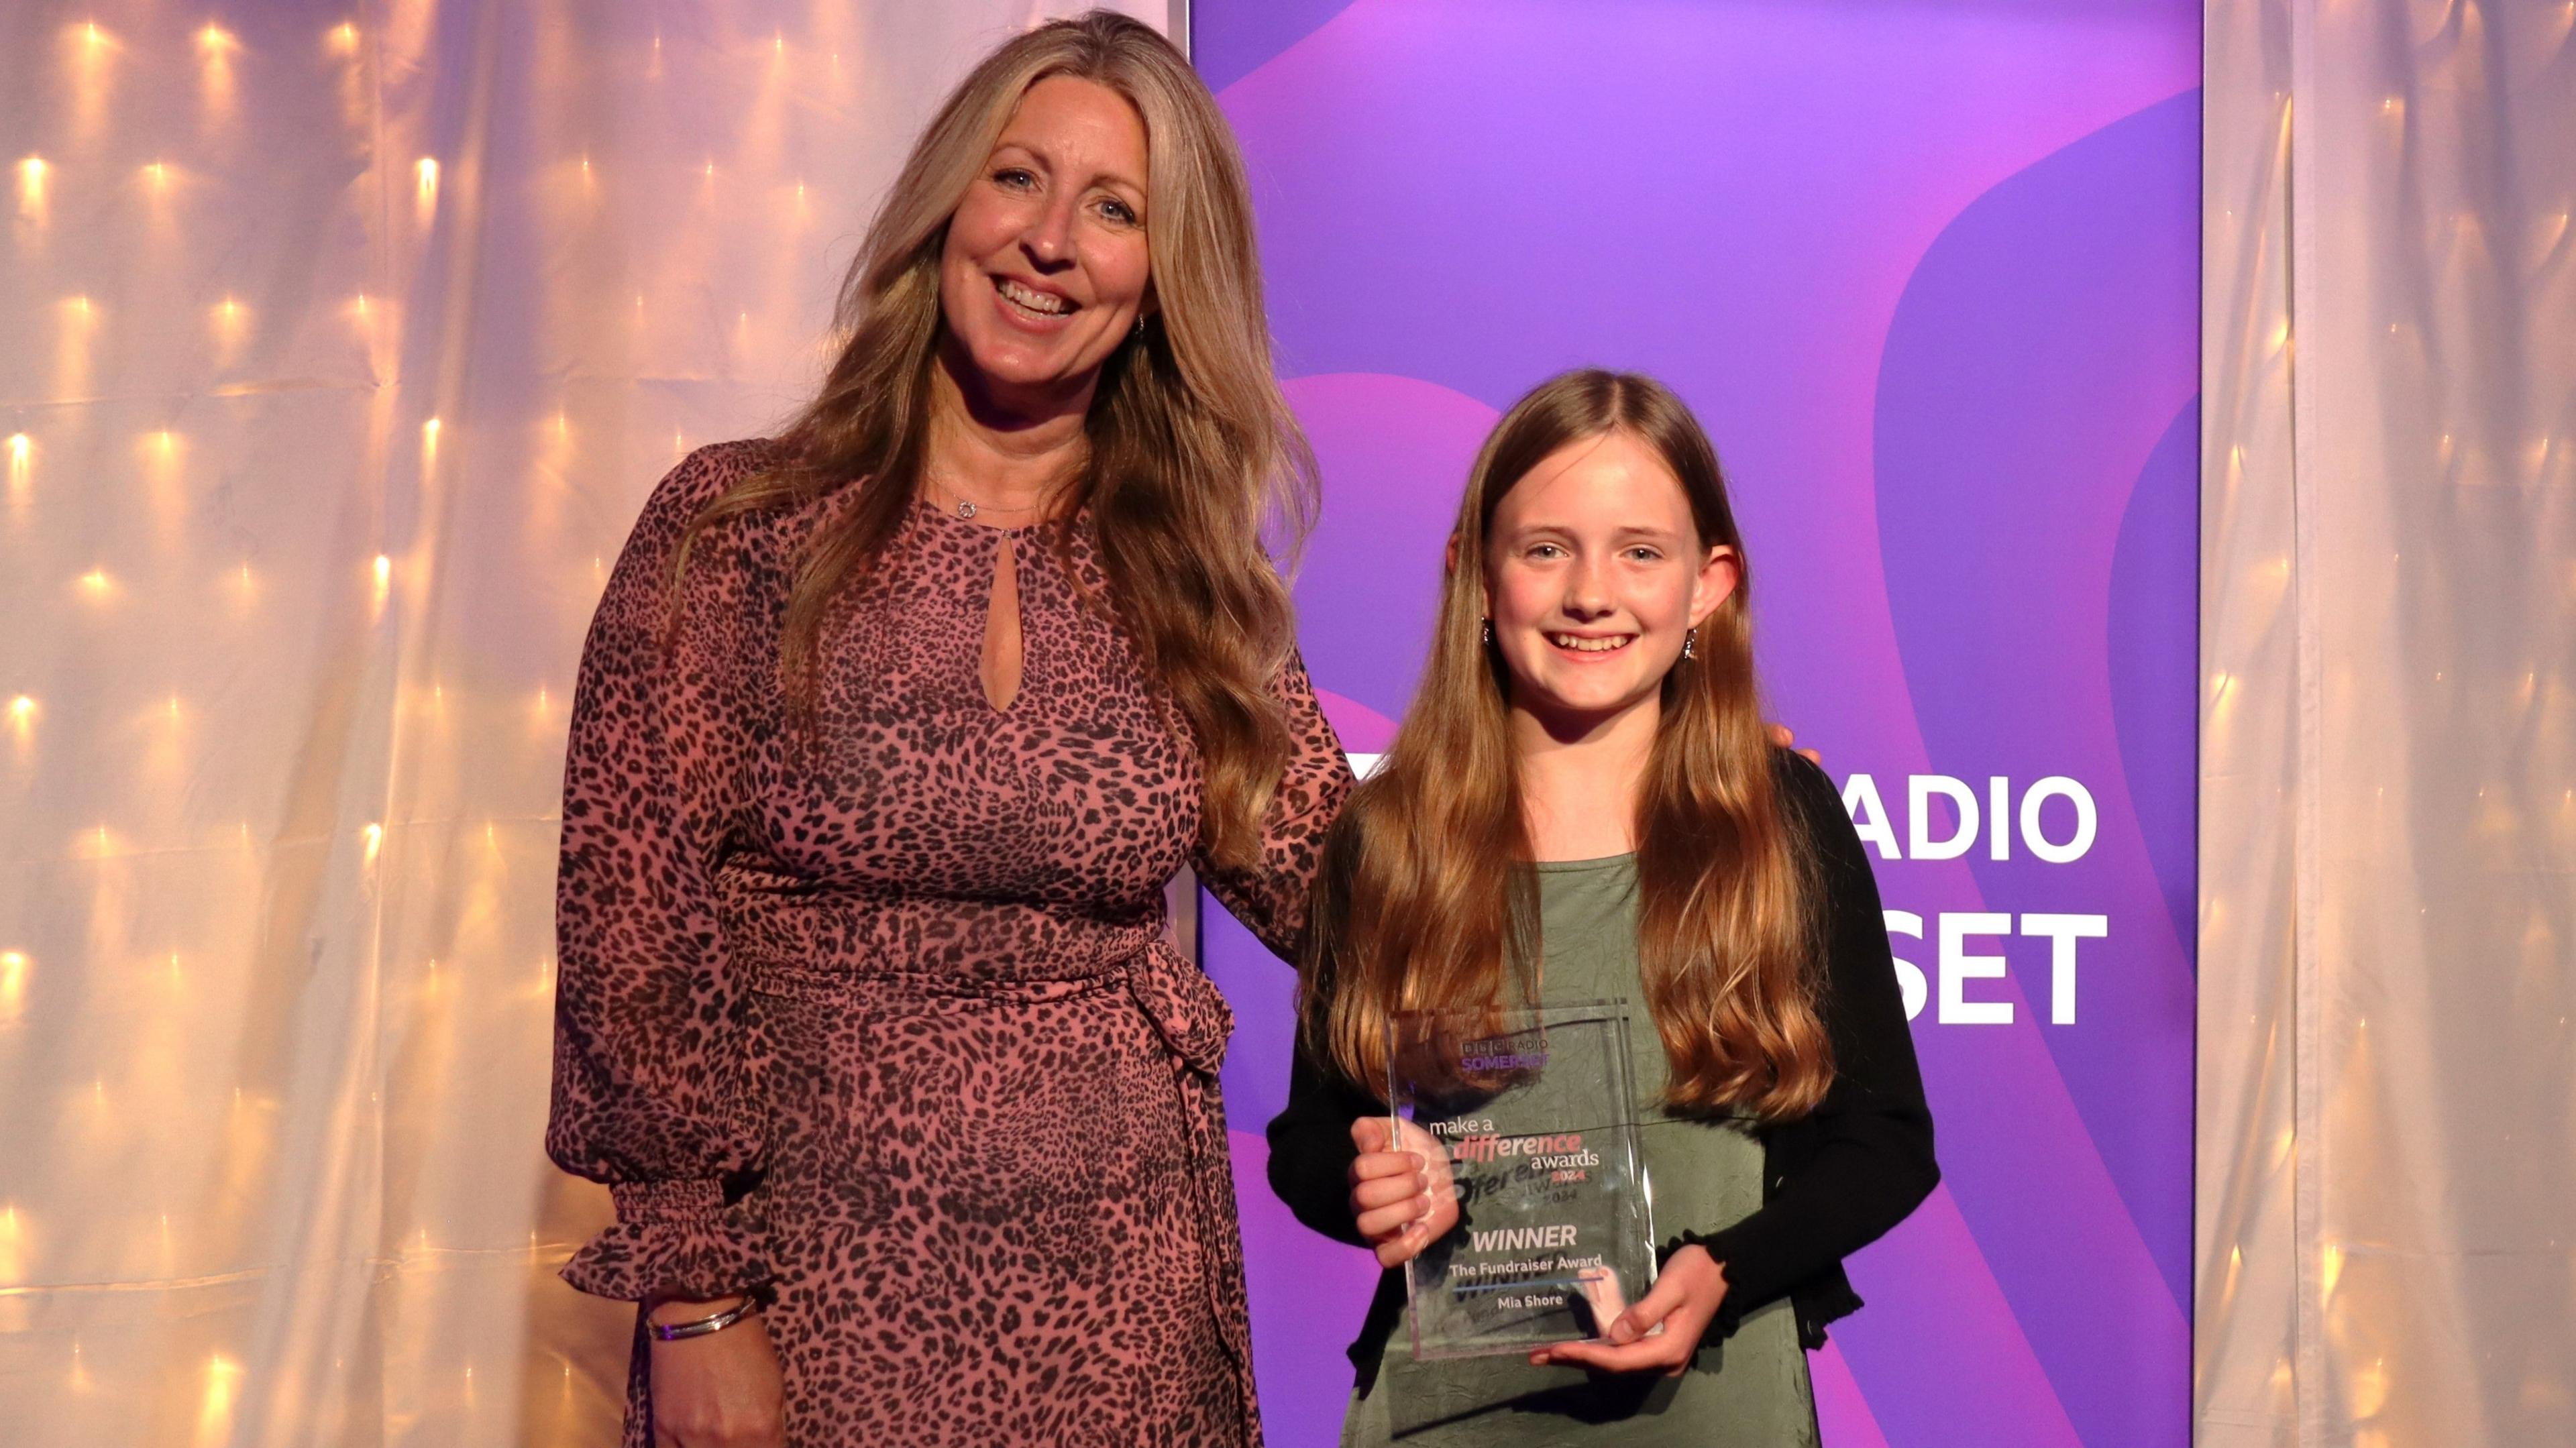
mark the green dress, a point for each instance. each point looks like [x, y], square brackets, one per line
[1703, 1175]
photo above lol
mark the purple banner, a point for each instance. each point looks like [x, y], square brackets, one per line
[1929, 274]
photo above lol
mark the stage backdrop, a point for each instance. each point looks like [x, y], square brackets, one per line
[1929, 275]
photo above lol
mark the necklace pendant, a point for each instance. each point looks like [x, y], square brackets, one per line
[965, 510]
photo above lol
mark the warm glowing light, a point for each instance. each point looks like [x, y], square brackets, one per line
[13, 1248]
[72, 345]
[22, 710]
[2333, 1269]
[31, 186]
[427, 174]
[344, 38]
[384, 572]
[13, 981]
[158, 175]
[375, 841]
[21, 455]
[96, 583]
[215, 48]
[223, 1381]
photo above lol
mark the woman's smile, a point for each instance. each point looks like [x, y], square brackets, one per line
[1032, 304]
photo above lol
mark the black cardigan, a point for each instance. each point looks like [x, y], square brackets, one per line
[1833, 1181]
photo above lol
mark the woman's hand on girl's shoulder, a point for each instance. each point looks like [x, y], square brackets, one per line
[1781, 736]
[1660, 1333]
[1402, 1195]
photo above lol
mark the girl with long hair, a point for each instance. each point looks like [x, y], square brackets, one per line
[890, 731]
[1584, 803]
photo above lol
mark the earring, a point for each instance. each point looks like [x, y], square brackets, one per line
[1489, 633]
[1690, 643]
[1139, 332]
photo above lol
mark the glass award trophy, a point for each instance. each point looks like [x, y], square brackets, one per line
[1528, 1111]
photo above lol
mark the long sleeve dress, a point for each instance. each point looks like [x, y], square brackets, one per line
[884, 1018]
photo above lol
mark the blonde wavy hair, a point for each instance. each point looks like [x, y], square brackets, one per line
[1427, 901]
[1194, 456]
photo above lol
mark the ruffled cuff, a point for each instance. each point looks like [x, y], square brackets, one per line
[1828, 1297]
[672, 1239]
[1720, 1247]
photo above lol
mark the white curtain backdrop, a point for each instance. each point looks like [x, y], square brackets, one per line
[2387, 1180]
[339, 344]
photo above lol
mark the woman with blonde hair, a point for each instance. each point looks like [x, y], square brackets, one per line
[1583, 805]
[890, 731]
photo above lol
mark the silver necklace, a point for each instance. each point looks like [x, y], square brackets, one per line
[967, 507]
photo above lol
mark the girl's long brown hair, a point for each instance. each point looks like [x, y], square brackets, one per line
[1193, 452]
[1427, 901]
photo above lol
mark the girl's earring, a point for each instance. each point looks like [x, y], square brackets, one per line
[1690, 643]
[1489, 633]
[1139, 333]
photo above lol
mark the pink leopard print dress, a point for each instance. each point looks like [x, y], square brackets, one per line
[891, 1024]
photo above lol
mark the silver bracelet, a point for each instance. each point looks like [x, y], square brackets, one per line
[700, 1327]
